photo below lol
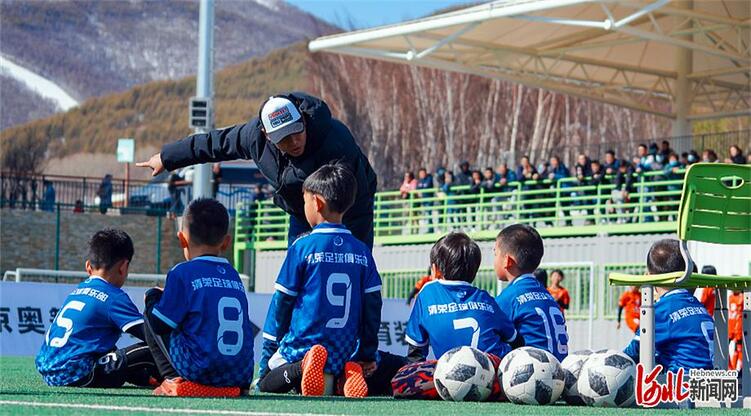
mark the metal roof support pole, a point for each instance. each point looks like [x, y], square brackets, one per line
[204, 88]
[684, 64]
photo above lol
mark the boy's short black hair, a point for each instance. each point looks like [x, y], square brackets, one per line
[524, 244]
[665, 257]
[109, 246]
[709, 269]
[457, 257]
[542, 276]
[336, 184]
[207, 222]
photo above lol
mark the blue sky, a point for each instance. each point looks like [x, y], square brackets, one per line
[369, 13]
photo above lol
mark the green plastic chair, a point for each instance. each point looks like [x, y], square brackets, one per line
[715, 208]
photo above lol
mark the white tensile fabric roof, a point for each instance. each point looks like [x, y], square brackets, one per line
[680, 59]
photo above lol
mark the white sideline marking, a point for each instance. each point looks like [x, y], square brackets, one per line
[151, 409]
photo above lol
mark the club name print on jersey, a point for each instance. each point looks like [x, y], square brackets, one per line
[330, 272]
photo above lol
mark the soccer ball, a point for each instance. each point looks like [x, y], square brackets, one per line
[572, 366]
[607, 379]
[415, 381]
[464, 374]
[531, 376]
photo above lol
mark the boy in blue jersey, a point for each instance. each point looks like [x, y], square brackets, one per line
[328, 297]
[684, 331]
[79, 347]
[535, 314]
[198, 328]
[450, 312]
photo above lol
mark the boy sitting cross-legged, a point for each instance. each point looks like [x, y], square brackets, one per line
[328, 296]
[535, 314]
[79, 347]
[198, 327]
[684, 331]
[450, 312]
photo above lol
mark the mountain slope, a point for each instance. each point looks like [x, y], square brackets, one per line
[157, 112]
[96, 48]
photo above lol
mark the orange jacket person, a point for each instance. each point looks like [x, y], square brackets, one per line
[559, 293]
[735, 329]
[630, 301]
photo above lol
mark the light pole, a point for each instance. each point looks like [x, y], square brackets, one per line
[202, 106]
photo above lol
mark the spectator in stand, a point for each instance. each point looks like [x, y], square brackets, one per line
[556, 171]
[693, 157]
[78, 207]
[620, 195]
[427, 278]
[706, 295]
[526, 173]
[424, 179]
[489, 181]
[664, 153]
[748, 159]
[596, 178]
[174, 187]
[630, 301]
[440, 177]
[464, 176]
[709, 156]
[48, 201]
[475, 189]
[643, 162]
[105, 193]
[408, 185]
[505, 176]
[424, 185]
[447, 189]
[736, 156]
[654, 151]
[611, 164]
[559, 293]
[672, 171]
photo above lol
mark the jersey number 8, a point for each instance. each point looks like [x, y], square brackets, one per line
[229, 325]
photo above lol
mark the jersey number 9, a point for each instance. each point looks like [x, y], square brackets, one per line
[339, 300]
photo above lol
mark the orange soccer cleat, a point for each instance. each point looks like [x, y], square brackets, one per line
[354, 381]
[178, 387]
[313, 381]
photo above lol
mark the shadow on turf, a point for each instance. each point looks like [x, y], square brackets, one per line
[131, 389]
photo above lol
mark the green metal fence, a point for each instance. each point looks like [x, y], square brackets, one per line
[560, 208]
[397, 284]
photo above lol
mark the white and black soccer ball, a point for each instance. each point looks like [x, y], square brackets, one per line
[572, 366]
[531, 376]
[607, 379]
[464, 374]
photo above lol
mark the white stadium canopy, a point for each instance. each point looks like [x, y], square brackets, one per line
[686, 60]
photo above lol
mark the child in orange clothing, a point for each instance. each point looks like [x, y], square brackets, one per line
[735, 329]
[630, 301]
[706, 295]
[559, 293]
[418, 286]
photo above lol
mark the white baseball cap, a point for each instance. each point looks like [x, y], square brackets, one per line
[280, 118]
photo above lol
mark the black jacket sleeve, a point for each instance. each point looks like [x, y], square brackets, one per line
[230, 143]
[137, 331]
[371, 321]
[417, 354]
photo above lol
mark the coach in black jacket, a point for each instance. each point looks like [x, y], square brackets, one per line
[293, 136]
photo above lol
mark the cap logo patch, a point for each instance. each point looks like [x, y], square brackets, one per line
[279, 117]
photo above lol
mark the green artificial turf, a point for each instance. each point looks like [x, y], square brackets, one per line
[19, 382]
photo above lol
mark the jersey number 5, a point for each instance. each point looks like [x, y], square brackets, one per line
[65, 323]
[339, 300]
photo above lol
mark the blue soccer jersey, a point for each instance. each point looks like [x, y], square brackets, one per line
[450, 314]
[204, 301]
[535, 314]
[87, 326]
[684, 333]
[329, 272]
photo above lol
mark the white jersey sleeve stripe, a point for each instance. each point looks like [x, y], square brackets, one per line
[413, 342]
[164, 319]
[373, 289]
[284, 290]
[131, 324]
